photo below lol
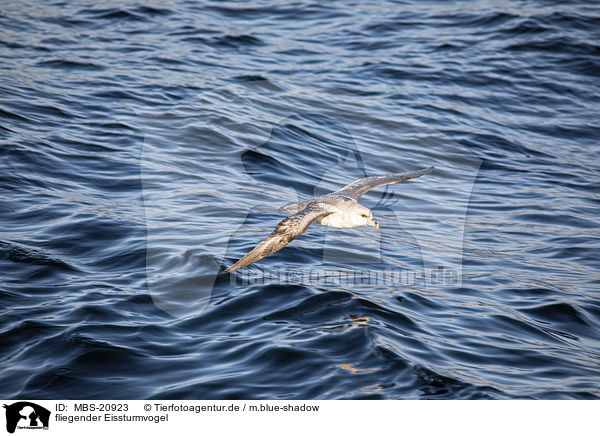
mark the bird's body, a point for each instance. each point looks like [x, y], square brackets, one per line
[337, 209]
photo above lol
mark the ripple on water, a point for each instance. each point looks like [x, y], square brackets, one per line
[145, 147]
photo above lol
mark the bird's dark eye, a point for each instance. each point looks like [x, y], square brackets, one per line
[364, 216]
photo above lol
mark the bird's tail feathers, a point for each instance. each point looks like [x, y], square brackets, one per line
[294, 207]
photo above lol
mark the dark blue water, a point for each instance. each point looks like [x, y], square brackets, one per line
[146, 146]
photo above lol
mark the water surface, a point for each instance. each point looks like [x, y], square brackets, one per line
[146, 146]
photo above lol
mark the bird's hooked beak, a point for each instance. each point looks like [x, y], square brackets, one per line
[374, 223]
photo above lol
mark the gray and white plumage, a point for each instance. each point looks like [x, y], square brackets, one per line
[336, 209]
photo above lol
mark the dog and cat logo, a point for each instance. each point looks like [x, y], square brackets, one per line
[26, 415]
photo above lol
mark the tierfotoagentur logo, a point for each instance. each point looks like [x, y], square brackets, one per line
[212, 187]
[25, 415]
[255, 275]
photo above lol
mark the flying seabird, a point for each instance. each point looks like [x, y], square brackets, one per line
[336, 209]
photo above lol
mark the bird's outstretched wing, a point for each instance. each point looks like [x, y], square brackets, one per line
[285, 232]
[361, 186]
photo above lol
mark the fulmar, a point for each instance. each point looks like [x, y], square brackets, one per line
[336, 209]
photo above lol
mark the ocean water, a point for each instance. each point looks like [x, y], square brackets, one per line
[148, 146]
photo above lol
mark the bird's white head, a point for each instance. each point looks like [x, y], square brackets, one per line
[363, 216]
